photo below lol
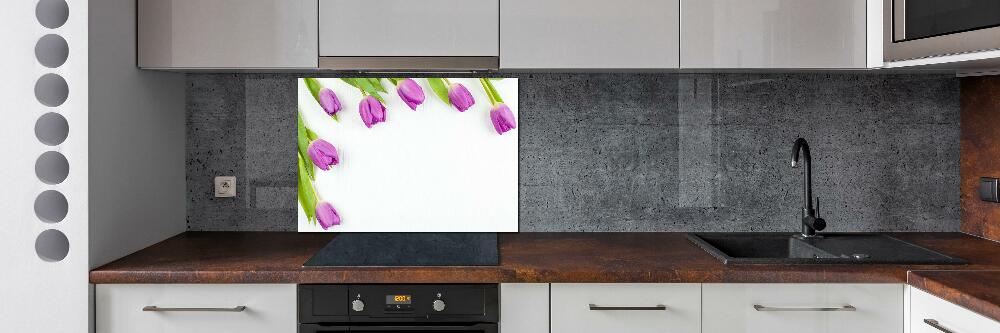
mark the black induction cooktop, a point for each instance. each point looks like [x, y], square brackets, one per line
[408, 249]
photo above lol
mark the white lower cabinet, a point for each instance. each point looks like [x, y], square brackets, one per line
[196, 308]
[930, 314]
[569, 308]
[816, 308]
[625, 307]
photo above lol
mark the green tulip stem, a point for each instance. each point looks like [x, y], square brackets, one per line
[349, 81]
[314, 87]
[439, 88]
[303, 145]
[307, 194]
[491, 92]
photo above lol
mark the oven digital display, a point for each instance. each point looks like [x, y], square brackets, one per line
[398, 299]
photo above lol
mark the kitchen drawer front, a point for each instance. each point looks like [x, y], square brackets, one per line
[269, 308]
[948, 316]
[571, 311]
[408, 28]
[730, 308]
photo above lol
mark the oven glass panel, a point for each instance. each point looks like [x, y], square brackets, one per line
[929, 18]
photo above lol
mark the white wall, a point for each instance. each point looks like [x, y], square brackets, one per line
[137, 187]
[38, 295]
[126, 134]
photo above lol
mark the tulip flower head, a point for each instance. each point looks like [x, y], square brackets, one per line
[372, 111]
[411, 93]
[502, 118]
[329, 101]
[323, 154]
[500, 114]
[326, 215]
[460, 97]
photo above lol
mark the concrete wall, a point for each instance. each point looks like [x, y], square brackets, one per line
[641, 152]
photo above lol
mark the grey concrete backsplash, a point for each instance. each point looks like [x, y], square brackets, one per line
[640, 152]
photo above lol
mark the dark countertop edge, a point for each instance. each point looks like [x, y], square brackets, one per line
[968, 294]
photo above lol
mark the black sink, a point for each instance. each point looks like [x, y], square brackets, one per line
[786, 248]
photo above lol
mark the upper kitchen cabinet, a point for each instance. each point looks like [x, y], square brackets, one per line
[589, 34]
[778, 34]
[207, 34]
[407, 34]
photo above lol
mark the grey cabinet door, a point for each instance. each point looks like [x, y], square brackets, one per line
[409, 28]
[773, 34]
[589, 34]
[227, 33]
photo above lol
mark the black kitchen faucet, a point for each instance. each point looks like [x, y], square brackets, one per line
[810, 221]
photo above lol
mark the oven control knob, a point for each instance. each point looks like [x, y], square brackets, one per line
[358, 305]
[438, 305]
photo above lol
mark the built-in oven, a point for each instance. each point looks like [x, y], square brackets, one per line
[385, 308]
[928, 28]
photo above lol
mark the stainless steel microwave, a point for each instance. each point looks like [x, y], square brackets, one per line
[928, 28]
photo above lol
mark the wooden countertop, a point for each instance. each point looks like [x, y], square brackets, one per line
[277, 257]
[978, 291]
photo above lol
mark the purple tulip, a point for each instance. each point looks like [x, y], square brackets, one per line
[326, 215]
[410, 92]
[460, 97]
[503, 118]
[372, 111]
[323, 154]
[329, 101]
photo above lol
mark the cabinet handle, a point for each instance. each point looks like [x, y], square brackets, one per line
[240, 308]
[594, 307]
[935, 324]
[848, 307]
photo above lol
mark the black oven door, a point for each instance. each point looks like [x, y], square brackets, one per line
[473, 328]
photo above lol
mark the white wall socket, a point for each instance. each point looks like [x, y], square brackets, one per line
[225, 187]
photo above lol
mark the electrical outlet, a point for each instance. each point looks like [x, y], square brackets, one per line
[225, 187]
[988, 189]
